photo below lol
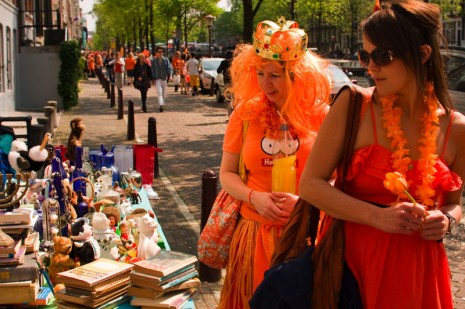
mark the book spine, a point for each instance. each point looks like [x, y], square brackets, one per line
[179, 280]
[18, 274]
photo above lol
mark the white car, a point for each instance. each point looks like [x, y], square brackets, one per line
[339, 79]
[208, 67]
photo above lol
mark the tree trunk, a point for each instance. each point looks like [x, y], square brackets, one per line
[248, 21]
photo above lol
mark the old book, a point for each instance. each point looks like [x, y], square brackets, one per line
[17, 216]
[91, 276]
[173, 300]
[18, 292]
[24, 272]
[100, 289]
[111, 304]
[161, 280]
[92, 301]
[16, 260]
[165, 263]
[145, 280]
[32, 242]
[146, 292]
[10, 251]
[44, 296]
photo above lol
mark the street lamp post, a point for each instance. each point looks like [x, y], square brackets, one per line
[209, 20]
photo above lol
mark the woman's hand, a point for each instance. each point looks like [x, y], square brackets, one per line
[435, 225]
[401, 218]
[275, 206]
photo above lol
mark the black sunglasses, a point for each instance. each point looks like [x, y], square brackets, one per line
[380, 57]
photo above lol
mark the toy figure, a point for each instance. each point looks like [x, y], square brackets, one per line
[125, 231]
[34, 192]
[125, 209]
[75, 137]
[101, 228]
[85, 247]
[148, 238]
[133, 195]
[61, 261]
[113, 215]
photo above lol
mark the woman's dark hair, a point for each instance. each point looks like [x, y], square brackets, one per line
[403, 27]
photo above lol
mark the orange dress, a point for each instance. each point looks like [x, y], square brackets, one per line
[395, 270]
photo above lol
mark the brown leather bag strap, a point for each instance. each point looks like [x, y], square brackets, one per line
[352, 124]
[304, 220]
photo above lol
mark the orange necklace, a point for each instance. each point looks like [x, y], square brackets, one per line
[426, 144]
[270, 121]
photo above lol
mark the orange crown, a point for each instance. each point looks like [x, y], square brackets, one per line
[282, 41]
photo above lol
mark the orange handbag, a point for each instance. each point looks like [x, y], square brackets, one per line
[215, 239]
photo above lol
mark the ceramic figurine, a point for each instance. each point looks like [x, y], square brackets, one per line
[85, 248]
[148, 238]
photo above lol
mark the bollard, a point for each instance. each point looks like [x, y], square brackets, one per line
[131, 124]
[212, 87]
[48, 111]
[37, 134]
[209, 183]
[120, 104]
[152, 140]
[107, 88]
[45, 123]
[112, 95]
[54, 104]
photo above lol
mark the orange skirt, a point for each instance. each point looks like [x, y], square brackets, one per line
[250, 255]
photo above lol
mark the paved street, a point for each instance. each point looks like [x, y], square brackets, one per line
[190, 132]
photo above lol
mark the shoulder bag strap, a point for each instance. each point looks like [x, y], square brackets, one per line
[352, 124]
[242, 169]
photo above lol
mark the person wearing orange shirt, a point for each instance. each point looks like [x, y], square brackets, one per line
[130, 62]
[91, 65]
[273, 84]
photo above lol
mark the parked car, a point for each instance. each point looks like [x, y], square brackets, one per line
[339, 79]
[208, 67]
[220, 88]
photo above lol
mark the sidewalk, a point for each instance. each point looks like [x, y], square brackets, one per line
[190, 132]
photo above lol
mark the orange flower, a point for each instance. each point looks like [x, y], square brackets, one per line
[397, 184]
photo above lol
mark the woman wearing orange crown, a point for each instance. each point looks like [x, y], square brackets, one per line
[275, 82]
[409, 159]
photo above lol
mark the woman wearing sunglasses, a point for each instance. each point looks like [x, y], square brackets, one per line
[403, 189]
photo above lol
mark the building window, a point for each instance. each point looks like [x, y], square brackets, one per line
[2, 62]
[9, 67]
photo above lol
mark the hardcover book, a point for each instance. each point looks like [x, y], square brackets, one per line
[173, 300]
[18, 292]
[10, 251]
[44, 296]
[150, 293]
[161, 280]
[17, 259]
[100, 288]
[165, 263]
[17, 216]
[92, 301]
[90, 276]
[111, 304]
[26, 271]
[144, 280]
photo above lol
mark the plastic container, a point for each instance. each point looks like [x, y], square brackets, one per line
[124, 157]
[144, 162]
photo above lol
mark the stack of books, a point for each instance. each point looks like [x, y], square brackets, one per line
[95, 284]
[167, 280]
[11, 251]
[20, 283]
